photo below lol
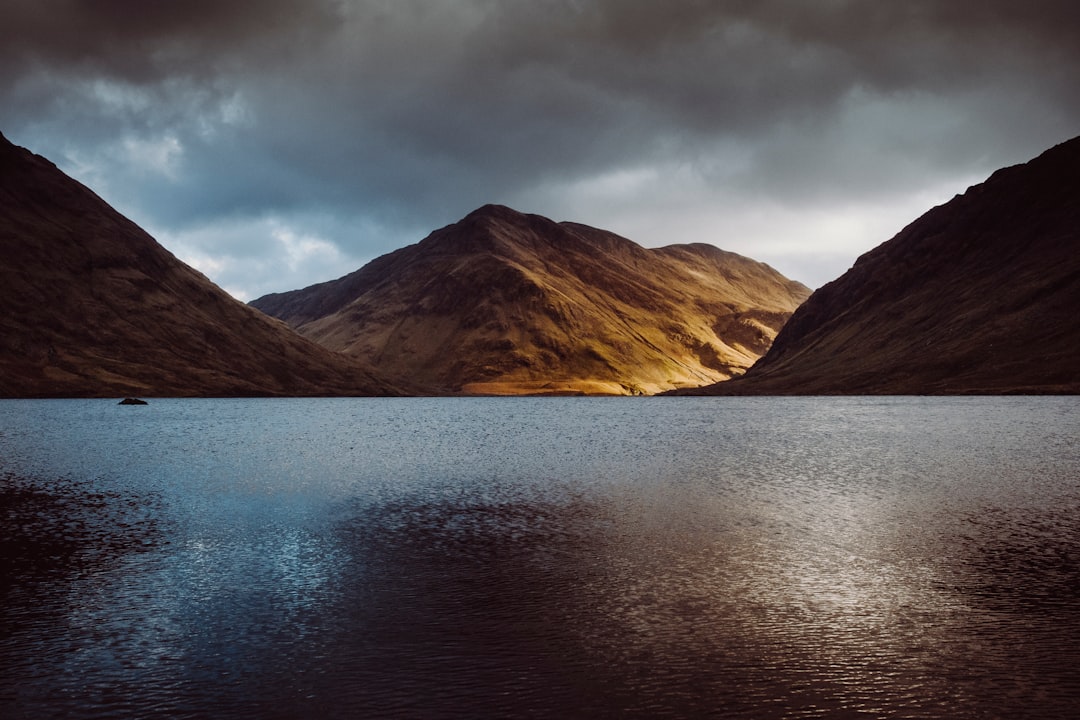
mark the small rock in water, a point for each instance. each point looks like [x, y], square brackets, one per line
[132, 401]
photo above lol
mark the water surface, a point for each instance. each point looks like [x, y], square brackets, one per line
[557, 557]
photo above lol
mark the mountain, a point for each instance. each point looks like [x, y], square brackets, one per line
[92, 306]
[508, 303]
[980, 295]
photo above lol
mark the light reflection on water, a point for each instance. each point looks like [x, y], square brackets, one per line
[875, 557]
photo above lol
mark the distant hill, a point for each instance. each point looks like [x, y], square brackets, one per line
[90, 305]
[507, 303]
[979, 295]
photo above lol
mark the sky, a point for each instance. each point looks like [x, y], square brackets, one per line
[273, 144]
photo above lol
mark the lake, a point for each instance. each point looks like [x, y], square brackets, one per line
[528, 557]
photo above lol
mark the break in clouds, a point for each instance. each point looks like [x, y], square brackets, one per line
[277, 143]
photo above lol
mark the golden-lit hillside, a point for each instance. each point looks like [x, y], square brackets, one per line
[508, 303]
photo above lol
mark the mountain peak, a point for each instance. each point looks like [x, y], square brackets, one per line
[508, 303]
[501, 216]
[493, 211]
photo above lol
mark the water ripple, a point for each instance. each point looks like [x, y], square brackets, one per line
[737, 558]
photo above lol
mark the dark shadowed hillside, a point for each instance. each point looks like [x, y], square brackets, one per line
[507, 303]
[979, 295]
[90, 305]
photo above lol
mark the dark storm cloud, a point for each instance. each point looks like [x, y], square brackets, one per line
[143, 41]
[387, 118]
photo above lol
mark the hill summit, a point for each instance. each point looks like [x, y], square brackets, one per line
[504, 302]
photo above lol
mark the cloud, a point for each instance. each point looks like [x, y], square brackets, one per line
[247, 256]
[380, 120]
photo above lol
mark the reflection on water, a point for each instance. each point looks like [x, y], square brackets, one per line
[542, 558]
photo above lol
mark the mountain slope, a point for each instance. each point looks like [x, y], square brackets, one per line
[90, 305]
[979, 295]
[506, 303]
